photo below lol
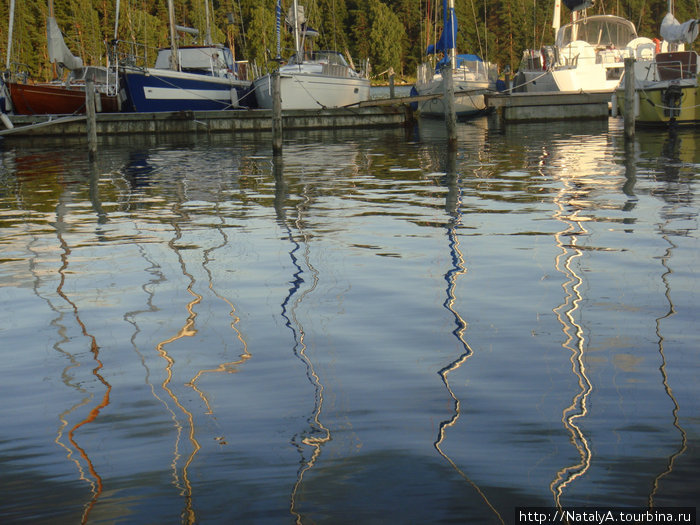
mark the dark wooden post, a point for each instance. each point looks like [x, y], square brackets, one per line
[629, 98]
[276, 113]
[91, 122]
[449, 96]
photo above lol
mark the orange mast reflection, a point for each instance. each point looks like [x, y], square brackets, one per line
[228, 367]
[96, 486]
[187, 330]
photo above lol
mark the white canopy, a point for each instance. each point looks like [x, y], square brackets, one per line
[677, 33]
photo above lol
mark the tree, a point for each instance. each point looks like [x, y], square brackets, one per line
[386, 38]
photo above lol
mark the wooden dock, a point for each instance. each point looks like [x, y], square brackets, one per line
[234, 121]
[545, 107]
[397, 112]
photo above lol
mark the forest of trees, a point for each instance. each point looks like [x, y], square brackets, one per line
[391, 33]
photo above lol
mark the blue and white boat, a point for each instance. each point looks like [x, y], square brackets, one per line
[203, 77]
[472, 77]
[185, 78]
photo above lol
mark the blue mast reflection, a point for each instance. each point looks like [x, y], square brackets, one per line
[453, 208]
[317, 434]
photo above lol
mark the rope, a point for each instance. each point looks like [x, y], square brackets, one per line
[670, 108]
[530, 81]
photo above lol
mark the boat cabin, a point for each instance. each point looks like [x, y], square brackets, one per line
[678, 65]
[209, 60]
[333, 58]
[600, 31]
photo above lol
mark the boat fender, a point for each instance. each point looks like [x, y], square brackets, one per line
[6, 121]
[414, 93]
[657, 44]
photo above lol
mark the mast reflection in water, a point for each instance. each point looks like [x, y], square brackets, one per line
[370, 331]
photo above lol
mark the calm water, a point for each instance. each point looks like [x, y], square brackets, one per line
[367, 330]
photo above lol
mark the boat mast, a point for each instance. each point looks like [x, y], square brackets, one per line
[9, 33]
[174, 62]
[278, 18]
[556, 21]
[296, 30]
[452, 43]
[116, 21]
[206, 14]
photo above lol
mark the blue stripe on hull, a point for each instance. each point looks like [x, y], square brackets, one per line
[135, 85]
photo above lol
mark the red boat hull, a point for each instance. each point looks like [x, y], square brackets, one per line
[42, 99]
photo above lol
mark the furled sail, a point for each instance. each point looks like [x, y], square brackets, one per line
[578, 5]
[448, 38]
[675, 32]
[58, 51]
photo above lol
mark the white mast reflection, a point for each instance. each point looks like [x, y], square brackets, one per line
[575, 339]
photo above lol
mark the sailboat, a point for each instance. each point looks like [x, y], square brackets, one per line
[61, 97]
[668, 93]
[588, 53]
[185, 78]
[471, 75]
[314, 79]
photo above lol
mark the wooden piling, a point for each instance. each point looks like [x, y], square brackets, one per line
[91, 125]
[450, 112]
[391, 82]
[276, 113]
[629, 97]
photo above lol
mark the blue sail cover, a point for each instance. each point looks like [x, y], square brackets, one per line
[578, 5]
[448, 38]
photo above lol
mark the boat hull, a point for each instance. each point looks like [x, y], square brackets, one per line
[43, 99]
[469, 98]
[659, 107]
[312, 91]
[155, 90]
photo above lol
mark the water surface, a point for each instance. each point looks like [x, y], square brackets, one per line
[368, 329]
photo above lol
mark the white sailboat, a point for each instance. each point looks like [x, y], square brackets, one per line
[472, 77]
[313, 79]
[588, 53]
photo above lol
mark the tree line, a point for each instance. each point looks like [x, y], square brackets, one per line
[390, 33]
